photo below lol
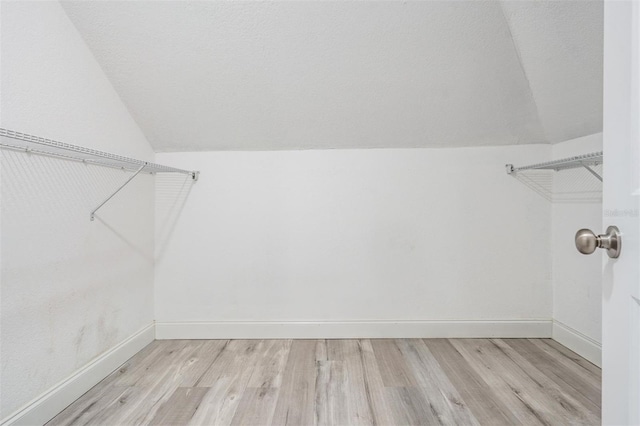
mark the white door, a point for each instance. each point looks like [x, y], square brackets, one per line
[621, 207]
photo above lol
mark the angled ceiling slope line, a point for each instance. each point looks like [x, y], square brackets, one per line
[320, 75]
[561, 46]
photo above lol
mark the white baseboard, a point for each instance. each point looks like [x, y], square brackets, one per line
[352, 329]
[46, 406]
[583, 345]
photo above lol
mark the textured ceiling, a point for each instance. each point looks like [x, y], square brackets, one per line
[297, 75]
[560, 45]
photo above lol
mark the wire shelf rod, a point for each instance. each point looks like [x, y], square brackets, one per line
[591, 159]
[28, 150]
[49, 143]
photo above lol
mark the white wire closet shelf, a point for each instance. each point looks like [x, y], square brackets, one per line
[572, 185]
[586, 161]
[17, 141]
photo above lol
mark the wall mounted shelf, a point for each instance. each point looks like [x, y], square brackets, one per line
[12, 140]
[572, 186]
[586, 161]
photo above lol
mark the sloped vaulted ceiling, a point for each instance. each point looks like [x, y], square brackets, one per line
[299, 75]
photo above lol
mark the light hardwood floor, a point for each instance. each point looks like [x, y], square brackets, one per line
[345, 382]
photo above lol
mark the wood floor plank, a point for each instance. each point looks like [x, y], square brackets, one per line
[234, 359]
[270, 363]
[409, 406]
[136, 367]
[227, 379]
[180, 407]
[323, 413]
[570, 355]
[374, 385]
[348, 392]
[296, 399]
[334, 387]
[393, 366]
[502, 382]
[443, 398]
[336, 391]
[256, 407]
[532, 397]
[568, 405]
[150, 366]
[570, 360]
[122, 403]
[572, 381]
[157, 388]
[90, 405]
[200, 361]
[321, 350]
[485, 405]
[345, 382]
[157, 364]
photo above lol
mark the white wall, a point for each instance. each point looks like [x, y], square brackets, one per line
[71, 289]
[577, 279]
[377, 236]
[367, 237]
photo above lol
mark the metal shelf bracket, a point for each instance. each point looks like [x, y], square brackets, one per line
[31, 144]
[93, 212]
[593, 172]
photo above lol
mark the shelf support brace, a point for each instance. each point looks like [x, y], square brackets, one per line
[592, 172]
[93, 212]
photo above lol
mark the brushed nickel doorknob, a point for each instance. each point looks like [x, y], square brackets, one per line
[587, 242]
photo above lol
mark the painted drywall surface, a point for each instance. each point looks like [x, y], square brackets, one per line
[71, 288]
[339, 235]
[315, 74]
[560, 46]
[577, 279]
